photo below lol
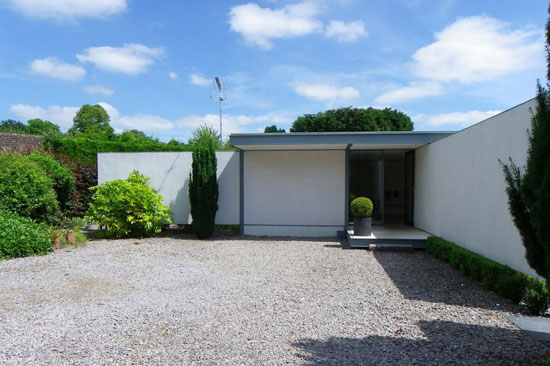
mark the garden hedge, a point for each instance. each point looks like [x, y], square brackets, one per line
[505, 281]
[21, 237]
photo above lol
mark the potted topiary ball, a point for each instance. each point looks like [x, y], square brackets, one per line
[361, 208]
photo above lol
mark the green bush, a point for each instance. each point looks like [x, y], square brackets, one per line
[536, 297]
[20, 237]
[361, 207]
[203, 191]
[60, 175]
[128, 208]
[25, 189]
[505, 281]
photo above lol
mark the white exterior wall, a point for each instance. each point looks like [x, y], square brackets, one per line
[169, 173]
[294, 193]
[460, 188]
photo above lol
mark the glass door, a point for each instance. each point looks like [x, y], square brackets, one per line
[367, 180]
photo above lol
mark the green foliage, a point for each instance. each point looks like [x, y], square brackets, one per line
[21, 237]
[93, 122]
[59, 174]
[128, 208]
[361, 207]
[85, 150]
[25, 189]
[203, 190]
[41, 127]
[353, 119]
[12, 126]
[505, 281]
[273, 129]
[205, 136]
[537, 297]
[529, 193]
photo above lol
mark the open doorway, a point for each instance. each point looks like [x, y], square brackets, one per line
[387, 178]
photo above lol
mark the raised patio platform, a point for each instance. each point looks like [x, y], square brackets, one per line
[398, 235]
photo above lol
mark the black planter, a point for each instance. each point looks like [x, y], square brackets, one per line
[362, 227]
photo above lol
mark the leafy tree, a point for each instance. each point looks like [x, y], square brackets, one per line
[353, 119]
[92, 121]
[203, 190]
[41, 127]
[135, 136]
[273, 129]
[205, 136]
[529, 191]
[12, 126]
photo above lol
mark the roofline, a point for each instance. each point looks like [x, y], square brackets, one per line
[337, 138]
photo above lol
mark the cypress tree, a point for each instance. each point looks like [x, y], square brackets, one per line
[203, 191]
[529, 193]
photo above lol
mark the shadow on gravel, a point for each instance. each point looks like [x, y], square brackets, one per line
[418, 276]
[445, 343]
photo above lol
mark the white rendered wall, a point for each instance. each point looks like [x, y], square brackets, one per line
[169, 173]
[460, 189]
[294, 193]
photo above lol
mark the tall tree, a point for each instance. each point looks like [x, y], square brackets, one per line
[529, 191]
[12, 126]
[92, 121]
[41, 127]
[353, 119]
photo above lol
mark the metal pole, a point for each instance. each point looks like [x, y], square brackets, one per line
[221, 136]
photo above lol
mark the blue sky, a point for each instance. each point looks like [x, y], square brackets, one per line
[445, 63]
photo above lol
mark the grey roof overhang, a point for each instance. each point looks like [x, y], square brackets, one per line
[334, 140]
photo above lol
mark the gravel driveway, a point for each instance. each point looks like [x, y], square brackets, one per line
[249, 301]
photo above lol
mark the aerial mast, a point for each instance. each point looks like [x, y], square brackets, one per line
[218, 85]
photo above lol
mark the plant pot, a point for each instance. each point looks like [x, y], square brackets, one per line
[57, 243]
[362, 227]
[71, 238]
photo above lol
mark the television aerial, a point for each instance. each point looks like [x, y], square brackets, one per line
[219, 97]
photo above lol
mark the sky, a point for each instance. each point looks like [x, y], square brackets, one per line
[445, 63]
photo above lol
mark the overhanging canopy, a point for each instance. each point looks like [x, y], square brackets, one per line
[405, 140]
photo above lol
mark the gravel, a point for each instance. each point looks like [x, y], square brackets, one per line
[250, 301]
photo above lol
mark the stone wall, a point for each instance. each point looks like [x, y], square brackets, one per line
[12, 142]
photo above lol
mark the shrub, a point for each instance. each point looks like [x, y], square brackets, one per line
[59, 174]
[536, 297]
[25, 189]
[203, 191]
[361, 207]
[128, 208]
[505, 281]
[85, 177]
[20, 237]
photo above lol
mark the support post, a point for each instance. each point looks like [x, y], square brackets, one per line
[241, 192]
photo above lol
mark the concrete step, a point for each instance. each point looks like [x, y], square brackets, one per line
[391, 247]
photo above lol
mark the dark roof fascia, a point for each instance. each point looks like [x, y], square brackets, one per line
[337, 138]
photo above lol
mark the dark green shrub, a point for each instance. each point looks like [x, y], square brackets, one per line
[203, 191]
[505, 281]
[537, 297]
[21, 237]
[361, 207]
[59, 174]
[25, 189]
[128, 208]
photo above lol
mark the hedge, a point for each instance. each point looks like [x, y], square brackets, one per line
[21, 237]
[505, 281]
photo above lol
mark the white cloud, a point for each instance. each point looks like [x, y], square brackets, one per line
[258, 26]
[411, 92]
[198, 79]
[62, 116]
[459, 119]
[142, 122]
[57, 69]
[131, 59]
[346, 32]
[477, 48]
[98, 89]
[172, 75]
[68, 10]
[324, 92]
